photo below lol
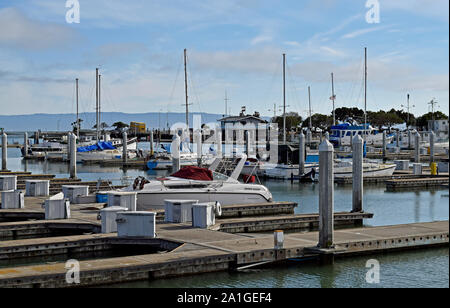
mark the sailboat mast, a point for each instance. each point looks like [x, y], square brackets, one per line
[78, 120]
[96, 102]
[226, 104]
[333, 98]
[99, 102]
[365, 91]
[284, 98]
[186, 88]
[310, 113]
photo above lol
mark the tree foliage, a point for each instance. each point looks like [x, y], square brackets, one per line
[423, 120]
[293, 120]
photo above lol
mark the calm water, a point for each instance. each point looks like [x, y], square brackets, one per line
[427, 268]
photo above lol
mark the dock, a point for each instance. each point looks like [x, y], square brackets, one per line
[194, 251]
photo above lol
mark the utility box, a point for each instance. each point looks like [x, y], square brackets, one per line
[417, 169]
[402, 165]
[57, 207]
[13, 199]
[8, 182]
[443, 167]
[178, 211]
[123, 199]
[71, 192]
[37, 188]
[136, 224]
[108, 216]
[203, 215]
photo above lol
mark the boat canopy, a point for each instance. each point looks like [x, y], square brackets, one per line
[97, 147]
[194, 173]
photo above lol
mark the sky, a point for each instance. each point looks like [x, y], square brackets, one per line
[233, 47]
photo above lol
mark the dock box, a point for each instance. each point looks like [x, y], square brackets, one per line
[178, 211]
[57, 207]
[443, 167]
[402, 165]
[71, 192]
[136, 224]
[417, 169]
[12, 199]
[37, 188]
[203, 215]
[108, 218]
[123, 199]
[8, 182]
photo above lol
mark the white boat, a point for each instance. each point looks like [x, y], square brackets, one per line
[285, 172]
[204, 185]
[344, 169]
[341, 135]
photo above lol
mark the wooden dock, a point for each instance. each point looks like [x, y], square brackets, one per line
[423, 182]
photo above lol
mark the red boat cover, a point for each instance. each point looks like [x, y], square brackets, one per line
[194, 173]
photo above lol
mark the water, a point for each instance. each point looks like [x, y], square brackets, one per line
[423, 268]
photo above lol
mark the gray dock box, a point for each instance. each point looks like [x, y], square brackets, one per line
[136, 224]
[12, 199]
[37, 188]
[8, 182]
[123, 199]
[57, 207]
[109, 217]
[178, 211]
[203, 215]
[71, 192]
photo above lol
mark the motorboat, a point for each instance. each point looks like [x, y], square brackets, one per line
[204, 185]
[342, 134]
[344, 169]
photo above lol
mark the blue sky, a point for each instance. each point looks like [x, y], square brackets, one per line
[233, 45]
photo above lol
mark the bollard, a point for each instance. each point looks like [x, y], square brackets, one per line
[25, 144]
[434, 168]
[152, 149]
[176, 153]
[73, 155]
[125, 147]
[358, 180]
[432, 137]
[417, 147]
[278, 239]
[301, 152]
[4, 151]
[384, 145]
[326, 194]
[198, 141]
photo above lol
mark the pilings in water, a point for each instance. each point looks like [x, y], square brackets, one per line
[176, 153]
[247, 142]
[198, 142]
[219, 142]
[326, 195]
[397, 139]
[301, 152]
[308, 137]
[409, 139]
[358, 180]
[152, 149]
[417, 147]
[125, 147]
[4, 152]
[384, 145]
[73, 155]
[432, 138]
[25, 144]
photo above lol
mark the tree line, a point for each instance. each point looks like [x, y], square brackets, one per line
[377, 119]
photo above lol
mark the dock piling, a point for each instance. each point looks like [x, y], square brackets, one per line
[301, 152]
[73, 155]
[384, 145]
[417, 147]
[326, 195]
[176, 153]
[4, 152]
[219, 142]
[25, 144]
[358, 188]
[125, 147]
[198, 141]
[152, 149]
[432, 138]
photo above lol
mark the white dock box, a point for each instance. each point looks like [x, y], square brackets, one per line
[57, 207]
[123, 199]
[402, 165]
[37, 188]
[178, 211]
[12, 199]
[417, 169]
[136, 224]
[109, 216]
[71, 192]
[203, 215]
[443, 167]
[8, 182]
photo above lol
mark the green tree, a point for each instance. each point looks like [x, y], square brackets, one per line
[293, 120]
[344, 113]
[120, 125]
[383, 118]
[423, 120]
[320, 121]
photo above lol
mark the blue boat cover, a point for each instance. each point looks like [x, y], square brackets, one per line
[97, 147]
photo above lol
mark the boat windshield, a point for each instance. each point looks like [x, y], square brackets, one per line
[220, 177]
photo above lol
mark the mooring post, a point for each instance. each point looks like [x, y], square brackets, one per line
[384, 145]
[25, 144]
[432, 138]
[417, 147]
[358, 177]
[176, 153]
[198, 137]
[4, 152]
[326, 194]
[219, 141]
[301, 153]
[73, 155]
[125, 147]
[152, 149]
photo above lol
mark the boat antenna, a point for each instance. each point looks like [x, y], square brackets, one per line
[365, 92]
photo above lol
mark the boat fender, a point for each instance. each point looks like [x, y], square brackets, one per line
[136, 183]
[218, 209]
[143, 182]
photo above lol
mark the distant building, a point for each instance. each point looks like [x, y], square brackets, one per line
[438, 126]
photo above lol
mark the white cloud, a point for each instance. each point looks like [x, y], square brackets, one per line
[261, 39]
[362, 32]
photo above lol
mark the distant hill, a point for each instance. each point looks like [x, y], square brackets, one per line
[62, 122]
